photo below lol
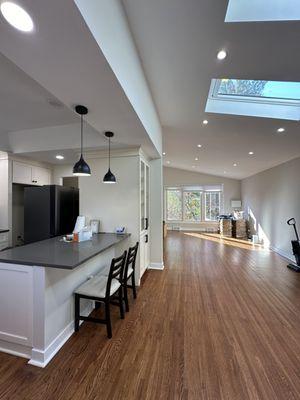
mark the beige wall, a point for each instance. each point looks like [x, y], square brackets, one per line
[271, 198]
[180, 177]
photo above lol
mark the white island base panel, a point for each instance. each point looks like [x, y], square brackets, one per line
[37, 306]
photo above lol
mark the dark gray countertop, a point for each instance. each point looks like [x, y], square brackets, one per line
[4, 230]
[55, 253]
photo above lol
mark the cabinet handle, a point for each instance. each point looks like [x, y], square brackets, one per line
[146, 239]
[147, 223]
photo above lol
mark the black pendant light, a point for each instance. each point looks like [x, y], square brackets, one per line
[109, 176]
[81, 168]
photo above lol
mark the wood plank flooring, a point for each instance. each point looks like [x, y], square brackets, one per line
[222, 321]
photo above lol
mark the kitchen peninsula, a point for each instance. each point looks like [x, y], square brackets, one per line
[36, 291]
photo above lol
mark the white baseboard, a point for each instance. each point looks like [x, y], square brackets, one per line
[40, 358]
[15, 349]
[158, 266]
[283, 254]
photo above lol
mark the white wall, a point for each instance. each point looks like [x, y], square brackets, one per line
[115, 205]
[272, 197]
[180, 177]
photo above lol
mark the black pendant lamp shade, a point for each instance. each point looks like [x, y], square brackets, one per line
[81, 168]
[109, 176]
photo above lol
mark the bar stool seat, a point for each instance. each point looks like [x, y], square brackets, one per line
[102, 289]
[96, 286]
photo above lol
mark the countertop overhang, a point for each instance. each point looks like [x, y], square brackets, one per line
[55, 253]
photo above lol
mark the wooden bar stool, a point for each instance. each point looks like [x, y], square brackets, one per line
[103, 289]
[129, 272]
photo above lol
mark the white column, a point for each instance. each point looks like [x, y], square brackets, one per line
[156, 214]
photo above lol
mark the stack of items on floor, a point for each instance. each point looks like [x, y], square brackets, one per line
[233, 227]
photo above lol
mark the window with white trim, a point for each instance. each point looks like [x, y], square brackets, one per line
[212, 206]
[193, 204]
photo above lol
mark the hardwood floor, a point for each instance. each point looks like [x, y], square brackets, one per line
[222, 321]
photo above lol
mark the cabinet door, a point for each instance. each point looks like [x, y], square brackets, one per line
[22, 173]
[40, 176]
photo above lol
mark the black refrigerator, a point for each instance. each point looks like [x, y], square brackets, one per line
[49, 211]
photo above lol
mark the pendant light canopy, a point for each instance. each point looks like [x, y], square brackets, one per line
[81, 168]
[109, 176]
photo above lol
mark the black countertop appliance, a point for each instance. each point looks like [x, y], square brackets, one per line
[49, 211]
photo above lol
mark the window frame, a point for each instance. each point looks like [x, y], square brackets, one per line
[203, 192]
[220, 199]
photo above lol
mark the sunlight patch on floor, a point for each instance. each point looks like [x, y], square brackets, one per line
[213, 237]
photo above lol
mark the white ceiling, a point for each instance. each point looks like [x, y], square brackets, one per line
[24, 104]
[177, 42]
[61, 60]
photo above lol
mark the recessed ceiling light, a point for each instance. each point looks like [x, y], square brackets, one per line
[251, 153]
[16, 16]
[199, 145]
[164, 153]
[281, 130]
[235, 164]
[59, 157]
[205, 122]
[222, 55]
[196, 159]
[168, 162]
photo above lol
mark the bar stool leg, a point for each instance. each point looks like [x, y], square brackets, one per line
[120, 295]
[126, 296]
[107, 318]
[77, 312]
[133, 286]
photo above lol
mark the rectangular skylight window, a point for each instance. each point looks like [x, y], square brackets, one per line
[261, 89]
[262, 10]
[259, 98]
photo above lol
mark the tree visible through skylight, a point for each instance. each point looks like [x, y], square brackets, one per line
[257, 88]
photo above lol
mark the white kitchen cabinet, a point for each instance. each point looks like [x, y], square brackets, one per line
[40, 176]
[22, 173]
[30, 174]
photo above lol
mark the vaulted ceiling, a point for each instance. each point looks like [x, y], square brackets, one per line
[178, 42]
[67, 61]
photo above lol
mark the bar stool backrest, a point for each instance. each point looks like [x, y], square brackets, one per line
[131, 259]
[116, 271]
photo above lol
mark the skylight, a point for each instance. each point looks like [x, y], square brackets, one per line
[259, 98]
[261, 89]
[262, 10]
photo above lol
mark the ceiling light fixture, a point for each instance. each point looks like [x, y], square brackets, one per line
[199, 145]
[196, 159]
[16, 16]
[205, 122]
[221, 55]
[251, 153]
[81, 168]
[281, 130]
[109, 177]
[59, 157]
[164, 153]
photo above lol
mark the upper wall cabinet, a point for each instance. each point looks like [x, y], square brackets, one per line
[30, 174]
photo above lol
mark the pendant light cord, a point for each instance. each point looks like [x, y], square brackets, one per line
[109, 153]
[81, 132]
